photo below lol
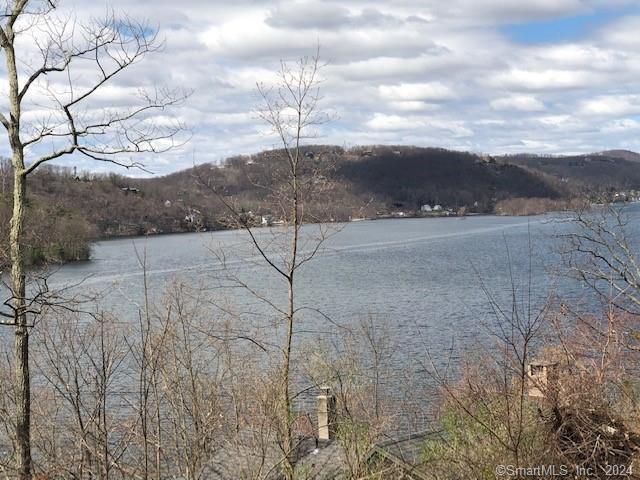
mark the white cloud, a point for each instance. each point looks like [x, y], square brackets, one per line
[456, 128]
[490, 122]
[523, 103]
[612, 105]
[583, 57]
[422, 124]
[316, 15]
[531, 9]
[544, 79]
[409, 71]
[426, 92]
[381, 121]
[623, 33]
[412, 106]
[555, 120]
[623, 125]
[539, 145]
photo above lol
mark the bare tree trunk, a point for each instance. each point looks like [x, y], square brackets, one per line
[290, 109]
[22, 380]
[18, 282]
[288, 440]
[58, 53]
[288, 434]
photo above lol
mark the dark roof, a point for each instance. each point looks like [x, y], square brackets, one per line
[315, 460]
[405, 452]
[233, 462]
[256, 459]
[324, 462]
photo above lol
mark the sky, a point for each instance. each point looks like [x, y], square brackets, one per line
[488, 76]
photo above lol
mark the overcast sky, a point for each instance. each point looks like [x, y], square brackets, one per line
[495, 76]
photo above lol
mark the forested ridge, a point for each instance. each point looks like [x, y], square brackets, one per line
[68, 207]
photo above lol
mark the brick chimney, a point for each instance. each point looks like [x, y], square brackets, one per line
[542, 377]
[326, 414]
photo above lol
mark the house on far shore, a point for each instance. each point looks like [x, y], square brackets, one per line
[437, 208]
[426, 208]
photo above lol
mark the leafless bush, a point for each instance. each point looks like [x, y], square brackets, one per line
[358, 365]
[585, 412]
[80, 366]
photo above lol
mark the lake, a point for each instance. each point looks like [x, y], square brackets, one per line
[421, 277]
[420, 281]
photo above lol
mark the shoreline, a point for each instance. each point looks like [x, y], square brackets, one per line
[261, 227]
[450, 215]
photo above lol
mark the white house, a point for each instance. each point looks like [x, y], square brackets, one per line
[426, 208]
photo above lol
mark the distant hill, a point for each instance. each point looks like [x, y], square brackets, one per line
[623, 154]
[596, 173]
[411, 177]
[357, 182]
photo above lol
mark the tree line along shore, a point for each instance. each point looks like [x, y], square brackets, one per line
[69, 209]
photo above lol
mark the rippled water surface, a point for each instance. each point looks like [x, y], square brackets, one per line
[423, 277]
[424, 282]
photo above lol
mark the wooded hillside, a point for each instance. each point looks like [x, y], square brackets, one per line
[69, 208]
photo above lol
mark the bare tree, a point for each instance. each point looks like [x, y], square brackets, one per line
[82, 362]
[357, 367]
[554, 396]
[291, 110]
[487, 415]
[71, 125]
[600, 250]
[190, 381]
[290, 113]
